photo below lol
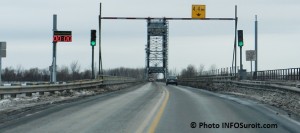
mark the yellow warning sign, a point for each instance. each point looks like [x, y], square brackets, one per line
[198, 11]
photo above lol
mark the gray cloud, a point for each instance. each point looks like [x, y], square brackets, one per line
[26, 26]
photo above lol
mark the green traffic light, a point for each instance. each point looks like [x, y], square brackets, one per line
[241, 44]
[93, 43]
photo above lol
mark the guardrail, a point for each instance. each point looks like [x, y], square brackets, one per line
[266, 75]
[51, 88]
[279, 74]
[289, 86]
[207, 78]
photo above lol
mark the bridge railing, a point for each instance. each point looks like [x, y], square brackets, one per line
[279, 74]
[210, 81]
[292, 74]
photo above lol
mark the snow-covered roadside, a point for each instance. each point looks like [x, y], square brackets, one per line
[22, 101]
[283, 99]
[286, 100]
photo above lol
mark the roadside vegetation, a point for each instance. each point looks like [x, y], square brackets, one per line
[64, 73]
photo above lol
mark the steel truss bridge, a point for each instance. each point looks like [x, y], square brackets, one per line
[157, 41]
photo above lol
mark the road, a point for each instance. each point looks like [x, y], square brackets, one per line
[152, 107]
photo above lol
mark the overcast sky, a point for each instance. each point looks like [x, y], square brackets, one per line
[26, 26]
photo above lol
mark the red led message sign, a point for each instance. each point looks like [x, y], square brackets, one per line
[62, 36]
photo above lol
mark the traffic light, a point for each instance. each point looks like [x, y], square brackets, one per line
[93, 37]
[240, 38]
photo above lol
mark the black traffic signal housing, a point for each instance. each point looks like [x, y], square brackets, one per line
[240, 38]
[93, 37]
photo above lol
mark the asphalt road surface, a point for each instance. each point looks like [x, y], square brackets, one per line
[154, 107]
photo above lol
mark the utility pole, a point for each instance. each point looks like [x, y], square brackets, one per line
[235, 45]
[256, 47]
[100, 72]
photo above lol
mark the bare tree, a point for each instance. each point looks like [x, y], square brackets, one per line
[189, 72]
[87, 74]
[212, 69]
[63, 74]
[75, 68]
[8, 74]
[201, 69]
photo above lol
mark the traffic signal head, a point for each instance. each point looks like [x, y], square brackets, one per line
[93, 37]
[240, 38]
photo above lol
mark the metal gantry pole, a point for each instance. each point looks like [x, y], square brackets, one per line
[1, 63]
[54, 51]
[256, 47]
[235, 44]
[100, 71]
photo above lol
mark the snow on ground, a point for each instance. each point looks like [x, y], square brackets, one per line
[22, 101]
[286, 100]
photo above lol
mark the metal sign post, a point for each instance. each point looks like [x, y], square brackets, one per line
[53, 68]
[58, 36]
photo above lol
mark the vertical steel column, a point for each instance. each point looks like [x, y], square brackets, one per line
[284, 74]
[147, 51]
[256, 47]
[280, 73]
[100, 71]
[54, 51]
[298, 74]
[1, 63]
[235, 44]
[165, 48]
[294, 76]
